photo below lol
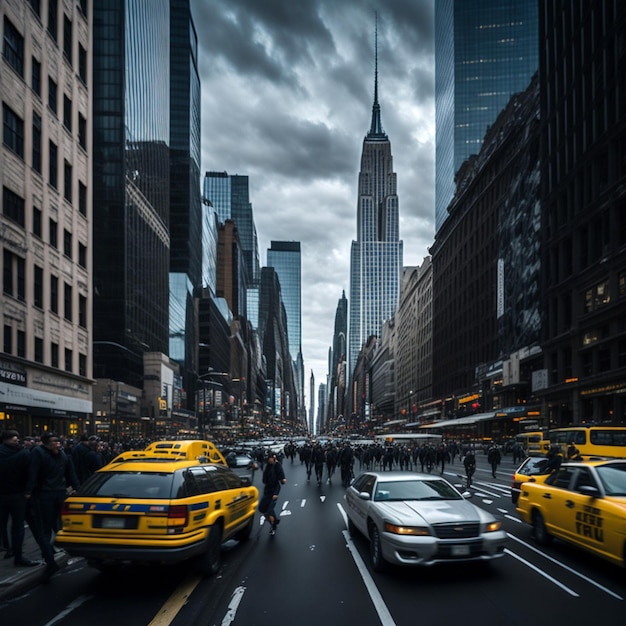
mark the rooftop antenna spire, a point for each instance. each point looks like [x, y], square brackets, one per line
[376, 126]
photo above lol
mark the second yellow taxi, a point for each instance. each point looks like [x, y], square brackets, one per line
[158, 507]
[583, 503]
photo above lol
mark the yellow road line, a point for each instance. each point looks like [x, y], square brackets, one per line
[175, 602]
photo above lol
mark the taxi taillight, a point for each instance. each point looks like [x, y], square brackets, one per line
[177, 518]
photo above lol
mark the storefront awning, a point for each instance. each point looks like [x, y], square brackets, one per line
[461, 421]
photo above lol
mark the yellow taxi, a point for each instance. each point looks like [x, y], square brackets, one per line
[583, 503]
[159, 507]
[532, 468]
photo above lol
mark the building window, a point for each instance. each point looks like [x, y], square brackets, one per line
[53, 233]
[8, 339]
[13, 49]
[38, 287]
[53, 169]
[53, 17]
[67, 113]
[35, 78]
[82, 364]
[68, 360]
[12, 130]
[67, 181]
[83, 7]
[38, 349]
[36, 164]
[621, 284]
[67, 302]
[13, 275]
[597, 297]
[82, 64]
[82, 311]
[67, 38]
[35, 5]
[13, 206]
[52, 95]
[67, 243]
[37, 222]
[82, 132]
[54, 354]
[21, 344]
[54, 294]
[82, 198]
[82, 255]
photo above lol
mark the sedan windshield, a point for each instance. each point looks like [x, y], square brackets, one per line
[416, 490]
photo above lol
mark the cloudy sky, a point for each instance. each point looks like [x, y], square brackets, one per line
[287, 93]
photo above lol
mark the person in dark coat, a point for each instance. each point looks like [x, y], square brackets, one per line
[51, 477]
[494, 457]
[14, 464]
[273, 479]
[86, 458]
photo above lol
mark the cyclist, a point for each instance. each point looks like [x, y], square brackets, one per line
[469, 463]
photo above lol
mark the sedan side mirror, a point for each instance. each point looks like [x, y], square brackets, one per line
[364, 495]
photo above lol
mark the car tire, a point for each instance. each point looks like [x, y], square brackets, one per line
[542, 536]
[376, 550]
[352, 529]
[209, 562]
[246, 531]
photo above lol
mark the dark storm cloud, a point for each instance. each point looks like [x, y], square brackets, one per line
[287, 94]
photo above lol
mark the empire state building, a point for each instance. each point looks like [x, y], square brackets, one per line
[376, 255]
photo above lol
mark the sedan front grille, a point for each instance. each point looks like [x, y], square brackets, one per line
[456, 531]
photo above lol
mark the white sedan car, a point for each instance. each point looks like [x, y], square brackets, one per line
[420, 519]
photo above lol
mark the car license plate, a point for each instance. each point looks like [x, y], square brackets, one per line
[460, 550]
[114, 522]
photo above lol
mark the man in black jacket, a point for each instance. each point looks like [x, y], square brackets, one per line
[86, 458]
[51, 477]
[273, 479]
[14, 462]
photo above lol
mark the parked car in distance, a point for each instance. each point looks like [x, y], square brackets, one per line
[420, 519]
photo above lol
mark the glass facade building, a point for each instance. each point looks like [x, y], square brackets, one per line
[131, 194]
[485, 51]
[285, 258]
[376, 255]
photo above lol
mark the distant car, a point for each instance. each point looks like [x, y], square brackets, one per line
[531, 466]
[420, 519]
[163, 507]
[242, 464]
[583, 503]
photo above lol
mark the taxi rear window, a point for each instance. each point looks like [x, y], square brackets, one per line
[136, 485]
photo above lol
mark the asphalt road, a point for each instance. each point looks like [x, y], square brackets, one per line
[312, 572]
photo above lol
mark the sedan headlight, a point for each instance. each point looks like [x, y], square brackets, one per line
[416, 531]
[493, 526]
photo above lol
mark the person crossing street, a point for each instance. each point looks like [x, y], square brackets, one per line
[273, 479]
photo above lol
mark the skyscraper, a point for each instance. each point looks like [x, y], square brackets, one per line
[485, 51]
[284, 257]
[376, 255]
[131, 135]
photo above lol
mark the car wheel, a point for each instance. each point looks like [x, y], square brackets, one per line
[540, 531]
[209, 562]
[376, 551]
[246, 531]
[352, 529]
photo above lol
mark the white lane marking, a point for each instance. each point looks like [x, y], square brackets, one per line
[515, 519]
[377, 599]
[285, 503]
[566, 567]
[70, 607]
[536, 569]
[322, 498]
[233, 605]
[303, 503]
[503, 511]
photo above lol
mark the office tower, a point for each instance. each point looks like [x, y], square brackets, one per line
[337, 358]
[583, 64]
[230, 197]
[45, 216]
[131, 193]
[485, 51]
[311, 421]
[284, 257]
[185, 202]
[376, 255]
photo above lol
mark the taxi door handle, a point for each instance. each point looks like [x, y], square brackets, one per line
[569, 504]
[547, 496]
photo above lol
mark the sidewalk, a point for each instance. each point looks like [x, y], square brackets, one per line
[17, 580]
